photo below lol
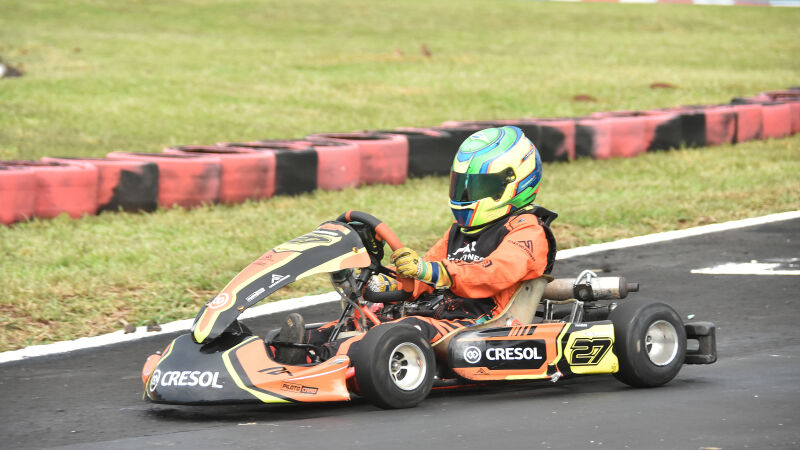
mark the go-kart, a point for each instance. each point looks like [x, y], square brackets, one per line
[551, 329]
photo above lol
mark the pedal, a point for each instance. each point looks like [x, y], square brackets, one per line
[705, 334]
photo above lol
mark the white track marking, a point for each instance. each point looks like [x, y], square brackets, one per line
[776, 267]
[302, 302]
[172, 327]
[677, 234]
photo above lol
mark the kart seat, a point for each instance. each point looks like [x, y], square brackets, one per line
[520, 309]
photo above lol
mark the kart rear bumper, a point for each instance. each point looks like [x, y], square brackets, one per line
[705, 334]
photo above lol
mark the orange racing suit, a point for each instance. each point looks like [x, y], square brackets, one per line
[486, 268]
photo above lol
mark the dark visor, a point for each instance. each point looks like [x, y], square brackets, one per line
[470, 187]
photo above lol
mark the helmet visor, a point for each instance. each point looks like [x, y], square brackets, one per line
[471, 187]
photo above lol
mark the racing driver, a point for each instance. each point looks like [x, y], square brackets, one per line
[498, 240]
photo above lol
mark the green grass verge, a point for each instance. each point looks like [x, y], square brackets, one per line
[67, 278]
[103, 75]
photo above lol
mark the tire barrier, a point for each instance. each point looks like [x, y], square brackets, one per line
[304, 165]
[592, 138]
[62, 187]
[776, 120]
[17, 194]
[554, 138]
[233, 172]
[126, 185]
[183, 180]
[384, 158]
[245, 174]
[748, 122]
[430, 152]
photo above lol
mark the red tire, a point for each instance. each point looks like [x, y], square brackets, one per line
[384, 158]
[183, 180]
[245, 173]
[338, 164]
[126, 185]
[720, 124]
[17, 194]
[795, 110]
[627, 133]
[748, 122]
[592, 138]
[430, 152]
[558, 134]
[62, 188]
[777, 120]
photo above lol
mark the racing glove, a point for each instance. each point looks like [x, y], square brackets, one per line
[381, 283]
[410, 265]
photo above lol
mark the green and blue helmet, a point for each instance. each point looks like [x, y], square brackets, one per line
[495, 172]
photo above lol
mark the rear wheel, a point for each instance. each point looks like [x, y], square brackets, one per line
[650, 342]
[394, 366]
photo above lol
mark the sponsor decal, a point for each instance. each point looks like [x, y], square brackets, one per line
[154, 380]
[219, 302]
[481, 371]
[265, 259]
[465, 253]
[589, 352]
[527, 246]
[327, 233]
[299, 388]
[255, 294]
[472, 354]
[277, 279]
[278, 370]
[504, 355]
[512, 353]
[185, 378]
[311, 238]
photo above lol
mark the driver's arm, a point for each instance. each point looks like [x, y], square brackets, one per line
[522, 255]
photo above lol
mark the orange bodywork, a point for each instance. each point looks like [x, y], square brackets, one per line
[326, 382]
[548, 332]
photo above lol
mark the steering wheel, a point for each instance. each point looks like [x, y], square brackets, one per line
[382, 232]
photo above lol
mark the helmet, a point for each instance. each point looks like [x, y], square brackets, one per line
[495, 172]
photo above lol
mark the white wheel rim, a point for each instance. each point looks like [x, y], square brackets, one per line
[407, 366]
[661, 342]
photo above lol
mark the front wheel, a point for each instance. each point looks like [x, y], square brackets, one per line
[394, 366]
[650, 342]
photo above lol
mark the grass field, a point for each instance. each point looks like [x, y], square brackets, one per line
[103, 76]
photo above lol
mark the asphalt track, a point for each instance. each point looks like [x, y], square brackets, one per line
[749, 399]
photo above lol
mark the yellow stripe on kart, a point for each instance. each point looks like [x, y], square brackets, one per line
[264, 397]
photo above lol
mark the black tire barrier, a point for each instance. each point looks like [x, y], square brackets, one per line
[245, 174]
[748, 122]
[184, 180]
[193, 175]
[553, 138]
[126, 185]
[62, 187]
[17, 194]
[304, 165]
[384, 158]
[296, 167]
[430, 152]
[592, 138]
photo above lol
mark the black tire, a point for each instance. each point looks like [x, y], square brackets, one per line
[394, 366]
[650, 342]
